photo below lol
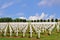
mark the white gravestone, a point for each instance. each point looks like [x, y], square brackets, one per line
[57, 28]
[24, 31]
[31, 31]
[10, 31]
[16, 31]
[39, 33]
[5, 31]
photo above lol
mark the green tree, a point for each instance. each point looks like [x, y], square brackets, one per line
[41, 20]
[48, 20]
[56, 20]
[52, 20]
[34, 20]
[6, 19]
[44, 20]
[37, 20]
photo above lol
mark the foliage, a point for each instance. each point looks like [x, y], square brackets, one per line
[8, 19]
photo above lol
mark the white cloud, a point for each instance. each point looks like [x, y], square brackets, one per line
[5, 5]
[51, 16]
[42, 16]
[33, 18]
[22, 17]
[43, 2]
[49, 2]
[36, 17]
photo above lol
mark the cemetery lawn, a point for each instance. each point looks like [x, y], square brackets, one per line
[44, 36]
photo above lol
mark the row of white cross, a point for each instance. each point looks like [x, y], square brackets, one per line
[38, 27]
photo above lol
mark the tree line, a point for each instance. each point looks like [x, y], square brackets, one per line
[8, 19]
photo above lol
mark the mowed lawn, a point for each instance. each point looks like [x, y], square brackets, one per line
[44, 36]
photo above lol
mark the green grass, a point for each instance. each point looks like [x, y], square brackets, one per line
[44, 36]
[53, 36]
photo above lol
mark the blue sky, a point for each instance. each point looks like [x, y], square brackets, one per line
[30, 9]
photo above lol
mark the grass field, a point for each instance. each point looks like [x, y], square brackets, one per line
[44, 36]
